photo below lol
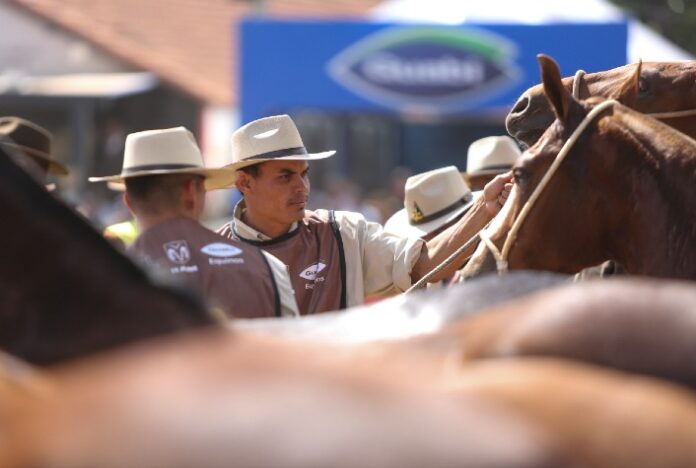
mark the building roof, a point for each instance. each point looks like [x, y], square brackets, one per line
[191, 44]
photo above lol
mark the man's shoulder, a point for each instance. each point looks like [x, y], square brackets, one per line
[191, 231]
[226, 231]
[326, 216]
[317, 216]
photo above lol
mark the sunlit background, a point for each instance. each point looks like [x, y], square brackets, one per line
[92, 71]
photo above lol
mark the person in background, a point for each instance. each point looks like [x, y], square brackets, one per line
[31, 144]
[165, 186]
[433, 201]
[335, 258]
[488, 158]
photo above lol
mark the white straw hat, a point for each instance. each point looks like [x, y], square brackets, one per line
[167, 151]
[269, 139]
[491, 155]
[432, 199]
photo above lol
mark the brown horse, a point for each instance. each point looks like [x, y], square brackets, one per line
[650, 87]
[215, 401]
[66, 291]
[624, 192]
[635, 325]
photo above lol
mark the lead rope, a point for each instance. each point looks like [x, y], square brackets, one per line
[421, 283]
[501, 256]
[672, 114]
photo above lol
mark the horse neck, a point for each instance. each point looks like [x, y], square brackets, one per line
[686, 125]
[658, 234]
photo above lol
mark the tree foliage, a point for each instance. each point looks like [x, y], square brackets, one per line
[673, 19]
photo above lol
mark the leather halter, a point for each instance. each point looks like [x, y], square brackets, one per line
[501, 256]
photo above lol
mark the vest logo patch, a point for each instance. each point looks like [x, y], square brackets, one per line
[177, 252]
[310, 273]
[220, 249]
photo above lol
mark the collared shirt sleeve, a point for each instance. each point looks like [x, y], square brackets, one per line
[377, 261]
[288, 304]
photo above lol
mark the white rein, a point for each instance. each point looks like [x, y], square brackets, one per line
[501, 256]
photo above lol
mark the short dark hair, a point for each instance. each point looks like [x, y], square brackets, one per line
[254, 170]
[156, 193]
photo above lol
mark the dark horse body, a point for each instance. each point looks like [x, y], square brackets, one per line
[65, 291]
[651, 87]
[625, 192]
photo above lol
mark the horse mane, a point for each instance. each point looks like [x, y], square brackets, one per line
[66, 290]
[670, 157]
[673, 152]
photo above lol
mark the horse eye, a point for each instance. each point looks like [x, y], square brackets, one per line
[520, 176]
[643, 85]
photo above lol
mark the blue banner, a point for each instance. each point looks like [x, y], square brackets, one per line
[470, 70]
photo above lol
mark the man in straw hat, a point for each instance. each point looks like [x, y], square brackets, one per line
[433, 201]
[335, 259]
[165, 183]
[489, 157]
[31, 146]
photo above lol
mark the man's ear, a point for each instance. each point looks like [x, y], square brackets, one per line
[189, 193]
[243, 182]
[128, 203]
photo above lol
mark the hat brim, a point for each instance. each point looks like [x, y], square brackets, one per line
[215, 179]
[399, 222]
[54, 167]
[235, 166]
[485, 172]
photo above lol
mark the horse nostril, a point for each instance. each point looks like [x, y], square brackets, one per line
[520, 106]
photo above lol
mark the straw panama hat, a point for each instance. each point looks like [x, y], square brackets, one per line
[491, 155]
[432, 199]
[167, 151]
[269, 139]
[31, 139]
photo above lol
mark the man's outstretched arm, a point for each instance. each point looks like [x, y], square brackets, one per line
[436, 250]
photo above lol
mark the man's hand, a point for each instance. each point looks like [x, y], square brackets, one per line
[497, 191]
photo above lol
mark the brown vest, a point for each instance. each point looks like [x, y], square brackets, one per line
[230, 275]
[314, 255]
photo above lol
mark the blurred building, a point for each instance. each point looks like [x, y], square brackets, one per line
[92, 71]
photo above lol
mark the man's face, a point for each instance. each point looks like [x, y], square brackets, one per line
[279, 192]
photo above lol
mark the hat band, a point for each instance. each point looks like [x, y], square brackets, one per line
[157, 167]
[431, 217]
[299, 151]
[498, 167]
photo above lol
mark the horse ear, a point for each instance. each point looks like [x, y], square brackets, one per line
[630, 90]
[558, 96]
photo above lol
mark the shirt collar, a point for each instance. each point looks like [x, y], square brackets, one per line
[245, 231]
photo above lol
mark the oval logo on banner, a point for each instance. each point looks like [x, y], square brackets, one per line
[219, 249]
[445, 66]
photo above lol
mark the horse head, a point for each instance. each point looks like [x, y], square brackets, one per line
[658, 88]
[603, 182]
